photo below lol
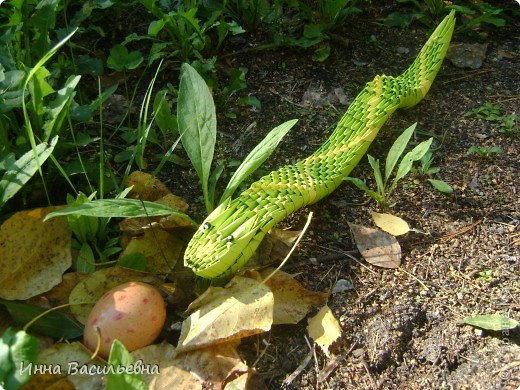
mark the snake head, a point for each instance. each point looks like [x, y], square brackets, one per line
[224, 241]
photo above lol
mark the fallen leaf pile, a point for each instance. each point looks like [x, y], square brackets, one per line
[38, 269]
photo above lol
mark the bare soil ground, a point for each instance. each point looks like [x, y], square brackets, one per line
[400, 327]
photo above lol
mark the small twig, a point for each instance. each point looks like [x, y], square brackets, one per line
[415, 277]
[333, 364]
[303, 365]
[309, 218]
[348, 254]
[287, 100]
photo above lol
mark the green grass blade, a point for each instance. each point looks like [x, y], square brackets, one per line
[27, 120]
[23, 169]
[197, 121]
[257, 156]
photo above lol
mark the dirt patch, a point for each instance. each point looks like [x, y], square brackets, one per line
[400, 327]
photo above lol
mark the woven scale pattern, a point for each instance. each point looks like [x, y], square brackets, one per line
[232, 232]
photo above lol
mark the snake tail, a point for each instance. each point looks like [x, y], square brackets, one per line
[232, 232]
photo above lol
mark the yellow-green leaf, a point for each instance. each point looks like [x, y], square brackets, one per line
[324, 329]
[241, 309]
[494, 322]
[35, 254]
[390, 223]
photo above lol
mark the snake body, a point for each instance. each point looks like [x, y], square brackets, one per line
[232, 232]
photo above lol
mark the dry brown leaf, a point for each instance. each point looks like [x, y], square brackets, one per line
[324, 329]
[377, 247]
[273, 248]
[89, 290]
[146, 187]
[161, 249]
[292, 302]
[35, 254]
[390, 223]
[241, 309]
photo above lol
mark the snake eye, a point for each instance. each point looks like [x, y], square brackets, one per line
[229, 238]
[206, 226]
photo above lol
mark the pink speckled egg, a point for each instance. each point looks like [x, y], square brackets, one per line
[134, 313]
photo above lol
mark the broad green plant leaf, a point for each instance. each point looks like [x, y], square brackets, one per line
[397, 150]
[257, 156]
[86, 259]
[120, 357]
[23, 169]
[120, 59]
[52, 324]
[197, 122]
[441, 186]
[43, 20]
[17, 350]
[10, 90]
[495, 322]
[57, 110]
[414, 155]
[119, 208]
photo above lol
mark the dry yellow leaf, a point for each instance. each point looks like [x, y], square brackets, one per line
[390, 223]
[162, 354]
[292, 302]
[324, 329]
[204, 368]
[59, 294]
[241, 309]
[89, 290]
[161, 249]
[35, 254]
[146, 187]
[70, 357]
[377, 247]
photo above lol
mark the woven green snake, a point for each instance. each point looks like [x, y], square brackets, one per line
[232, 232]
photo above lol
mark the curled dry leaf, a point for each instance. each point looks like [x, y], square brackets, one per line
[324, 329]
[241, 309]
[89, 290]
[292, 302]
[377, 247]
[390, 223]
[161, 249]
[35, 254]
